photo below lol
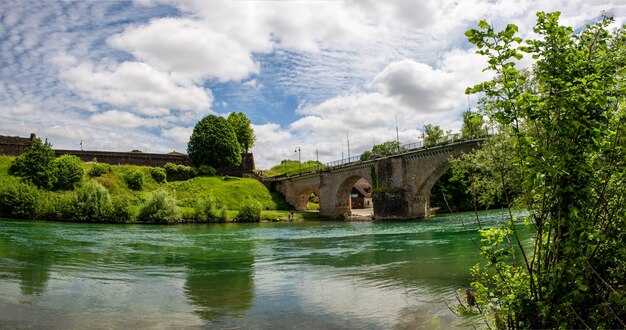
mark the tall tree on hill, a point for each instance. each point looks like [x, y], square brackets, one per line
[241, 125]
[214, 143]
[35, 164]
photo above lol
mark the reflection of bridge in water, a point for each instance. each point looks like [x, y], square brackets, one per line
[401, 182]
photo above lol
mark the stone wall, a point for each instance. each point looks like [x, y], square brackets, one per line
[126, 158]
[13, 145]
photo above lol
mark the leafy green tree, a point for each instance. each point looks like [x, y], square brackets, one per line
[433, 134]
[68, 171]
[473, 125]
[384, 149]
[241, 125]
[214, 143]
[34, 164]
[567, 148]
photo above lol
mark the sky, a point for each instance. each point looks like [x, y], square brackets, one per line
[314, 75]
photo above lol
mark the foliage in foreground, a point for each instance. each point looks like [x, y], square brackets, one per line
[566, 127]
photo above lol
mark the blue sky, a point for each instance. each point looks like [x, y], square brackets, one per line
[122, 75]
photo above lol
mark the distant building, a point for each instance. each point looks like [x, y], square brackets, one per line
[361, 195]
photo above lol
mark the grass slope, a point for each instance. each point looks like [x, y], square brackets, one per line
[231, 193]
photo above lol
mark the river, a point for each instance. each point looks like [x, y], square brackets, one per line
[296, 275]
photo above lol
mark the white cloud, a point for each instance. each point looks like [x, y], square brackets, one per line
[19, 109]
[180, 135]
[271, 145]
[189, 48]
[115, 118]
[136, 85]
[419, 86]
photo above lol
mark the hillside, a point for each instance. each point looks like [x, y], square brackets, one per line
[227, 193]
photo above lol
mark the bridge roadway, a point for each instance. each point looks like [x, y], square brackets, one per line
[401, 183]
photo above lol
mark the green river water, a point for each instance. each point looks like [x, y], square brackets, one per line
[298, 275]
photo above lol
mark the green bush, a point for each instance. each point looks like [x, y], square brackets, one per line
[249, 213]
[160, 208]
[99, 169]
[34, 164]
[55, 206]
[208, 210]
[134, 180]
[18, 199]
[206, 170]
[68, 171]
[92, 203]
[179, 172]
[120, 212]
[158, 174]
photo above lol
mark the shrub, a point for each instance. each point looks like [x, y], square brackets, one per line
[249, 213]
[99, 169]
[158, 174]
[206, 170]
[179, 172]
[134, 180]
[55, 206]
[18, 199]
[92, 203]
[68, 172]
[208, 210]
[120, 212]
[160, 207]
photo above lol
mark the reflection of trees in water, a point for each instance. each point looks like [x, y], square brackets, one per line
[220, 283]
[28, 264]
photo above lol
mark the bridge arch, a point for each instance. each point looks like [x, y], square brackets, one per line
[344, 190]
[302, 197]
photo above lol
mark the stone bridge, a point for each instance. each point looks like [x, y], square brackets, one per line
[401, 183]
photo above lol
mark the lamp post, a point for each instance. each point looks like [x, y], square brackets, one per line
[299, 158]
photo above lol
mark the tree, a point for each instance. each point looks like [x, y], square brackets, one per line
[433, 134]
[68, 171]
[568, 149]
[241, 126]
[34, 164]
[214, 143]
[473, 125]
[384, 149]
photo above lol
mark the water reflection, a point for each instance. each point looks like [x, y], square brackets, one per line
[27, 261]
[220, 274]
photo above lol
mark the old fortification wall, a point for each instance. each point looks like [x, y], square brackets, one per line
[126, 158]
[14, 146]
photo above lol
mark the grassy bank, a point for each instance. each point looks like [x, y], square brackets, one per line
[199, 199]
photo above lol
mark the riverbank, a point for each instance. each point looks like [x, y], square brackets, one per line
[112, 198]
